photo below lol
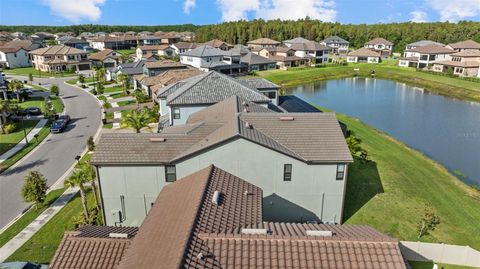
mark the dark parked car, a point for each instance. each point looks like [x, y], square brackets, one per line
[59, 125]
[31, 111]
[26, 91]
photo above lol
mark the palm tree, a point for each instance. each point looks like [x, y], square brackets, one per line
[137, 120]
[100, 73]
[123, 80]
[14, 86]
[90, 176]
[78, 179]
[139, 97]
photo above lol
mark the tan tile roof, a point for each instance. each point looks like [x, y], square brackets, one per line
[25, 44]
[309, 137]
[91, 247]
[364, 52]
[466, 64]
[57, 50]
[308, 46]
[467, 44]
[467, 53]
[217, 43]
[5, 49]
[185, 209]
[185, 45]
[263, 41]
[379, 41]
[432, 49]
[164, 64]
[154, 47]
[103, 54]
[168, 77]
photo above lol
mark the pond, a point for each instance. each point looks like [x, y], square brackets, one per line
[445, 129]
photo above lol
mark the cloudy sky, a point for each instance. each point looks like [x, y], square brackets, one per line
[160, 12]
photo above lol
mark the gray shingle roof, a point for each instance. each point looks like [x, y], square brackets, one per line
[252, 58]
[310, 45]
[335, 40]
[211, 88]
[258, 83]
[422, 43]
[309, 137]
[204, 51]
[296, 40]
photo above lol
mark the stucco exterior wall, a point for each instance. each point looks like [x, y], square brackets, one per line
[15, 60]
[185, 112]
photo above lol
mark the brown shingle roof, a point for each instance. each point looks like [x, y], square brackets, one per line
[217, 43]
[103, 54]
[432, 49]
[185, 45]
[467, 44]
[466, 64]
[164, 64]
[57, 50]
[154, 47]
[364, 52]
[468, 53]
[91, 247]
[168, 238]
[309, 45]
[263, 41]
[379, 40]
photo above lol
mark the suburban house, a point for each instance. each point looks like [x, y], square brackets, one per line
[302, 174]
[218, 44]
[338, 44]
[151, 69]
[422, 43]
[151, 85]
[130, 69]
[380, 45]
[179, 100]
[363, 55]
[464, 45]
[283, 56]
[296, 40]
[313, 52]
[14, 54]
[149, 40]
[168, 38]
[213, 219]
[60, 58]
[182, 47]
[425, 56]
[261, 43]
[208, 58]
[465, 63]
[268, 88]
[113, 42]
[160, 50]
[105, 58]
[75, 43]
[257, 63]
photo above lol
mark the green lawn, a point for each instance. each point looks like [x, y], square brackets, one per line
[126, 52]
[126, 103]
[118, 95]
[25, 71]
[113, 89]
[40, 102]
[429, 265]
[29, 216]
[454, 87]
[390, 192]
[8, 141]
[74, 81]
[42, 246]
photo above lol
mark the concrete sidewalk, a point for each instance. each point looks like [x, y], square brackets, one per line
[15, 243]
[22, 143]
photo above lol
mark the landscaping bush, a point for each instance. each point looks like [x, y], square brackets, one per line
[100, 88]
[9, 128]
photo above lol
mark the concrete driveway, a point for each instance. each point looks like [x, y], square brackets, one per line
[57, 153]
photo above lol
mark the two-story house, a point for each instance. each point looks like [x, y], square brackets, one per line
[145, 51]
[314, 52]
[338, 44]
[179, 100]
[149, 40]
[464, 45]
[465, 63]
[14, 54]
[422, 43]
[207, 58]
[425, 56]
[105, 58]
[283, 56]
[59, 58]
[302, 174]
[182, 47]
[218, 44]
[261, 43]
[380, 45]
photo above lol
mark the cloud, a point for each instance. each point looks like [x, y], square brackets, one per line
[418, 16]
[278, 9]
[455, 10]
[188, 5]
[76, 10]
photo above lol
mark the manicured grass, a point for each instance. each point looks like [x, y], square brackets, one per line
[42, 246]
[126, 52]
[429, 265]
[126, 103]
[25, 71]
[29, 216]
[118, 95]
[40, 102]
[44, 132]
[113, 89]
[454, 87]
[8, 141]
[74, 81]
[391, 192]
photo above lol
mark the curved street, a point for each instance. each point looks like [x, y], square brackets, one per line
[57, 153]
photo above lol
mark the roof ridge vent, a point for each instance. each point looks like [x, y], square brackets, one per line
[254, 231]
[216, 197]
[287, 118]
[157, 139]
[118, 235]
[319, 233]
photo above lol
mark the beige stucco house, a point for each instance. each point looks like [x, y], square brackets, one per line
[59, 58]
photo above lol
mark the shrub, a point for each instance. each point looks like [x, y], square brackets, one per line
[9, 128]
[91, 144]
[35, 188]
[100, 88]
[94, 92]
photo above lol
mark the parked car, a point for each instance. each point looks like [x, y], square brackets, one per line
[26, 91]
[22, 265]
[31, 111]
[59, 125]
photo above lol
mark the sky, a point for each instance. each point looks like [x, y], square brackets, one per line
[200, 12]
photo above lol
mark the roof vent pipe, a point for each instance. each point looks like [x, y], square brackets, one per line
[216, 197]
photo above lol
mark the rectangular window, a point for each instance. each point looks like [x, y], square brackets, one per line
[176, 113]
[340, 171]
[287, 172]
[170, 173]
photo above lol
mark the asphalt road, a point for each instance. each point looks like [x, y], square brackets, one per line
[57, 154]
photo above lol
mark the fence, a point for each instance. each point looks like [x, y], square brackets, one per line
[441, 253]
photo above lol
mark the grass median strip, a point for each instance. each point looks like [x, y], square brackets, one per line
[10, 140]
